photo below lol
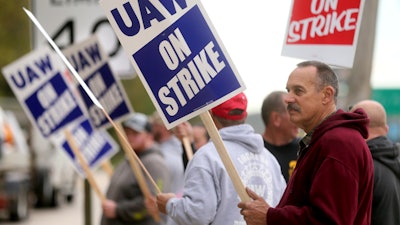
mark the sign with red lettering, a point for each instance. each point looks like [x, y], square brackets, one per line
[324, 30]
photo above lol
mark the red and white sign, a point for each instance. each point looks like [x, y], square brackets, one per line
[324, 30]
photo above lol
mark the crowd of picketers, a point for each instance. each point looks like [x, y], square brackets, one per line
[344, 170]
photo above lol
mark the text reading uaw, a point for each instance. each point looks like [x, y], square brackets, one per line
[108, 94]
[56, 106]
[193, 76]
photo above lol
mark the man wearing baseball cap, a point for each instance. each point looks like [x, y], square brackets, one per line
[209, 196]
[125, 202]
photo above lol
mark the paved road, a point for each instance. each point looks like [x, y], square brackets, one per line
[68, 214]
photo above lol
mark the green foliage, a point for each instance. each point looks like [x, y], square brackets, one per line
[138, 96]
[14, 36]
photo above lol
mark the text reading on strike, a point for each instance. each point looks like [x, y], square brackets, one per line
[192, 77]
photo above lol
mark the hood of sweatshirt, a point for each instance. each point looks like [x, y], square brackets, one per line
[243, 135]
[357, 120]
[386, 152]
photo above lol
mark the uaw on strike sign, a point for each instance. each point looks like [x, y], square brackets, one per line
[92, 63]
[176, 53]
[39, 83]
[324, 30]
[95, 145]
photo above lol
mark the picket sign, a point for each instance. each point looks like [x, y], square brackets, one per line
[197, 73]
[92, 64]
[90, 94]
[85, 166]
[326, 31]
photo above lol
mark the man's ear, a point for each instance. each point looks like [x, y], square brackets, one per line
[387, 128]
[276, 119]
[328, 94]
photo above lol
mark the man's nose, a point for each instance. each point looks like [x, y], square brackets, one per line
[288, 98]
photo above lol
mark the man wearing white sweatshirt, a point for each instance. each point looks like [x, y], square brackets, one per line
[209, 196]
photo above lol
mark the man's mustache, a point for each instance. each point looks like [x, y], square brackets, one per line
[293, 106]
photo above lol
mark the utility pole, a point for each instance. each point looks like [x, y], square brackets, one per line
[359, 81]
[88, 203]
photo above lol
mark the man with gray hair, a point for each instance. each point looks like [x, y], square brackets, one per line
[333, 179]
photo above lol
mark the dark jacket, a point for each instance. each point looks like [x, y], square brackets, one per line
[286, 156]
[333, 179]
[386, 197]
[125, 191]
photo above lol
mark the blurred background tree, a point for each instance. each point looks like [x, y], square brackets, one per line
[14, 36]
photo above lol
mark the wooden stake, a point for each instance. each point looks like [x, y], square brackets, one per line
[85, 166]
[223, 154]
[107, 167]
[188, 148]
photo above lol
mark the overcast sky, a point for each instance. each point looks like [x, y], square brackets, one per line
[253, 33]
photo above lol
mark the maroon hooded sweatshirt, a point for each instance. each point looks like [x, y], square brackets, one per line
[333, 179]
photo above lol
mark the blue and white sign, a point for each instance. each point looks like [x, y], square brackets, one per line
[38, 83]
[95, 146]
[177, 54]
[92, 63]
